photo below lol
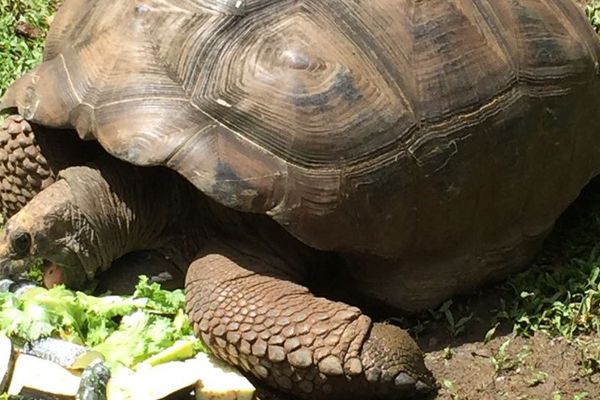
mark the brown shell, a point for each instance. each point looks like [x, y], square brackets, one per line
[376, 126]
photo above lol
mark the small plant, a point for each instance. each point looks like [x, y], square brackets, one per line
[501, 360]
[580, 395]
[451, 389]
[556, 396]
[590, 358]
[448, 353]
[455, 326]
[504, 362]
[537, 378]
[22, 32]
[490, 333]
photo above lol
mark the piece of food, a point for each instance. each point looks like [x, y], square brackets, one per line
[21, 286]
[119, 384]
[93, 382]
[6, 361]
[66, 354]
[35, 375]
[211, 379]
[53, 275]
[152, 383]
[180, 350]
[219, 381]
[5, 284]
[126, 330]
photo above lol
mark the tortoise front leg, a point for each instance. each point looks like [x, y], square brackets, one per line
[248, 314]
[24, 169]
[30, 158]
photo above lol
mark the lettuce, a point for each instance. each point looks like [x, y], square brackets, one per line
[125, 329]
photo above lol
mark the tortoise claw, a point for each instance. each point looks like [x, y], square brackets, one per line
[394, 366]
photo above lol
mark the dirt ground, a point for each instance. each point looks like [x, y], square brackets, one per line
[509, 367]
[534, 368]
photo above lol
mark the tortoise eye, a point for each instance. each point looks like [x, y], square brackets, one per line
[20, 243]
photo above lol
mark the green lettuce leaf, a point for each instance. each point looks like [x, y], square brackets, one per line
[125, 329]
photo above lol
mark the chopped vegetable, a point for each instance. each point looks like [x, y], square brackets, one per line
[35, 375]
[180, 350]
[6, 361]
[219, 381]
[210, 379]
[66, 354]
[93, 382]
[152, 383]
[125, 330]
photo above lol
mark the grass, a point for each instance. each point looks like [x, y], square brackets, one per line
[592, 11]
[560, 294]
[18, 52]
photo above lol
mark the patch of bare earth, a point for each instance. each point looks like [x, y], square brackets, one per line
[508, 366]
[511, 367]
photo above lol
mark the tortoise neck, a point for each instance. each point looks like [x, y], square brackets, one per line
[123, 208]
[127, 208]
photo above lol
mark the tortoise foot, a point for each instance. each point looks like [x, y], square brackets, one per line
[393, 362]
[249, 315]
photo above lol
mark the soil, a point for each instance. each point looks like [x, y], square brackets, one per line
[535, 368]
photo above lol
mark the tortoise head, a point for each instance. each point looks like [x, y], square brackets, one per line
[50, 227]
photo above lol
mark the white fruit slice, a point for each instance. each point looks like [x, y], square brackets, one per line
[32, 374]
[211, 379]
[219, 381]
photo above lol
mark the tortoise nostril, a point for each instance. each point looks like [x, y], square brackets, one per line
[20, 243]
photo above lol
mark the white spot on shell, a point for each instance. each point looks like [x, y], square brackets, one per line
[141, 9]
[223, 103]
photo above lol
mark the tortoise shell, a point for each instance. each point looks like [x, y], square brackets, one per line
[383, 127]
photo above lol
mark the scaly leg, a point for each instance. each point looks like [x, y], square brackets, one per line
[248, 314]
[24, 170]
[31, 157]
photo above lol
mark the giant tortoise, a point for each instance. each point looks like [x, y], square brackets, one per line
[407, 150]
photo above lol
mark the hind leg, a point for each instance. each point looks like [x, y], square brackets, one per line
[245, 309]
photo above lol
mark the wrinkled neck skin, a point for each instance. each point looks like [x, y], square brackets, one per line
[94, 215]
[118, 208]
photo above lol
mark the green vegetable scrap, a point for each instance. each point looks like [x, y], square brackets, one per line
[159, 300]
[181, 350]
[93, 382]
[125, 330]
